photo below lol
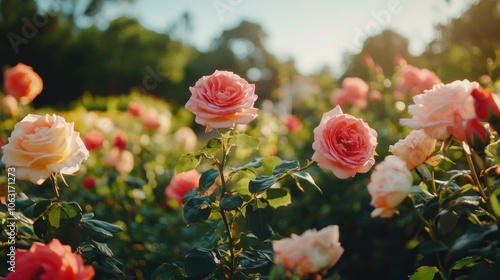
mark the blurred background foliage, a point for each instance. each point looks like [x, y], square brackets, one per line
[91, 74]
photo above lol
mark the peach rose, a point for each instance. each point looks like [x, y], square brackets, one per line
[9, 105]
[222, 100]
[389, 185]
[354, 91]
[344, 144]
[181, 184]
[415, 149]
[312, 252]
[121, 160]
[42, 145]
[22, 82]
[435, 110]
[416, 80]
[52, 261]
[186, 138]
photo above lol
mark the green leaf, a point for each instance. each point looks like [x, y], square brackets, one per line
[95, 231]
[303, 176]
[197, 209]
[424, 273]
[284, 166]
[199, 262]
[54, 216]
[103, 248]
[213, 145]
[269, 163]
[278, 197]
[232, 202]
[253, 164]
[112, 228]
[71, 212]
[134, 182]
[431, 247]
[188, 162]
[495, 202]
[259, 220]
[262, 183]
[41, 206]
[474, 235]
[447, 221]
[467, 262]
[245, 141]
[208, 178]
[167, 272]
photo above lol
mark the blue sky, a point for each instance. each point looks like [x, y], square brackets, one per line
[313, 32]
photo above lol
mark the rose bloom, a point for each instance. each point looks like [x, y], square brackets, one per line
[42, 145]
[292, 123]
[354, 91]
[222, 100]
[9, 105]
[416, 80]
[22, 83]
[312, 252]
[435, 110]
[135, 108]
[186, 138]
[389, 185]
[121, 160]
[415, 149]
[89, 183]
[120, 141]
[181, 184]
[93, 140]
[151, 119]
[344, 144]
[53, 261]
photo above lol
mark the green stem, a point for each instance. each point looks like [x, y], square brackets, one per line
[474, 175]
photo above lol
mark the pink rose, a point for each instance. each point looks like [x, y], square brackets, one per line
[23, 83]
[389, 185]
[312, 252]
[93, 140]
[135, 108]
[181, 184]
[52, 261]
[222, 100]
[292, 123]
[354, 91]
[9, 105]
[344, 144]
[416, 80]
[151, 119]
[186, 138]
[415, 149]
[120, 141]
[434, 111]
[121, 160]
[42, 145]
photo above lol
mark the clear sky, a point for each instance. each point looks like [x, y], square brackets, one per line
[315, 32]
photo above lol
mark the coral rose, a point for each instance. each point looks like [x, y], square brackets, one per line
[435, 110]
[354, 91]
[416, 80]
[22, 82]
[222, 100]
[181, 184]
[135, 108]
[312, 252]
[415, 149]
[344, 144]
[93, 140]
[9, 105]
[52, 261]
[121, 160]
[292, 123]
[389, 185]
[42, 145]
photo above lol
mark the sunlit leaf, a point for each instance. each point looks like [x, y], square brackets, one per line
[303, 176]
[187, 162]
[424, 273]
[278, 197]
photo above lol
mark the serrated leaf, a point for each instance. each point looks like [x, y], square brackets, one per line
[208, 178]
[188, 162]
[245, 141]
[424, 273]
[232, 202]
[284, 166]
[213, 145]
[199, 262]
[261, 183]
[259, 220]
[278, 197]
[197, 209]
[303, 176]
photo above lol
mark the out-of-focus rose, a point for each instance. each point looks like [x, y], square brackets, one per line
[186, 138]
[89, 183]
[354, 91]
[181, 184]
[93, 140]
[375, 95]
[222, 100]
[344, 144]
[368, 61]
[22, 82]
[135, 108]
[42, 145]
[121, 160]
[120, 141]
[52, 261]
[416, 80]
[398, 60]
[389, 185]
[9, 105]
[434, 111]
[292, 123]
[415, 149]
[151, 119]
[312, 252]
